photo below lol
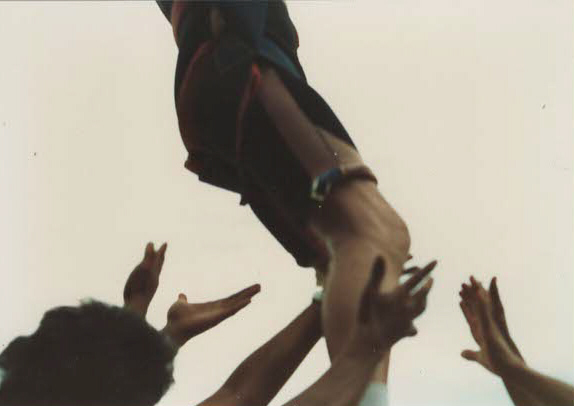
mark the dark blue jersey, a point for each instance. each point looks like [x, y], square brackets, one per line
[263, 26]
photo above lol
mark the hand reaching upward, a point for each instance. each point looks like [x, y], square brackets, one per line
[484, 314]
[385, 318]
[143, 281]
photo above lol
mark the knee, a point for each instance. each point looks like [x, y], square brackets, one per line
[401, 238]
[389, 231]
[357, 212]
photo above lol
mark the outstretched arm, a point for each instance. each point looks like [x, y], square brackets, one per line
[468, 294]
[259, 378]
[383, 320]
[528, 386]
[546, 390]
[187, 320]
[345, 382]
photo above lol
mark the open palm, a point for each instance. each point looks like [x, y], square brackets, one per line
[480, 356]
[186, 320]
[484, 314]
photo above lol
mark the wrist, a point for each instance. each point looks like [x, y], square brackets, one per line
[510, 369]
[176, 339]
[137, 305]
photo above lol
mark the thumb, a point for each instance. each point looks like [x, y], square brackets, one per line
[182, 298]
[470, 355]
[411, 331]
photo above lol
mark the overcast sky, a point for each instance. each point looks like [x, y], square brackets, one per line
[464, 109]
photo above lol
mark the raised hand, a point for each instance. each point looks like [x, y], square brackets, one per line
[186, 320]
[499, 316]
[143, 281]
[470, 310]
[385, 318]
[484, 314]
[321, 274]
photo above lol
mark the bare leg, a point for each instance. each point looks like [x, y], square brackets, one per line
[359, 225]
[354, 220]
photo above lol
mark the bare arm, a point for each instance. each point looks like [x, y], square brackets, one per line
[187, 320]
[547, 391]
[259, 378]
[383, 320]
[469, 296]
[500, 355]
[344, 383]
[143, 281]
[520, 396]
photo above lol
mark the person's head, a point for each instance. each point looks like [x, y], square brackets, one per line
[94, 354]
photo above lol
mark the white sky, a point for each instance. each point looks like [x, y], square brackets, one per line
[464, 109]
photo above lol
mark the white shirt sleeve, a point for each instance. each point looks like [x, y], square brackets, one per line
[375, 395]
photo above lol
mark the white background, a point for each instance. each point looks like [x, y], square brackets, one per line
[464, 109]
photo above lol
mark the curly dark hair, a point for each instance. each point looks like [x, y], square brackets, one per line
[91, 355]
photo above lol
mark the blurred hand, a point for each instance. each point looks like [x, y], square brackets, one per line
[385, 318]
[186, 320]
[142, 283]
[321, 274]
[484, 314]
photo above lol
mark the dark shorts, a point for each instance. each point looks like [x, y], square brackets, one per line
[265, 136]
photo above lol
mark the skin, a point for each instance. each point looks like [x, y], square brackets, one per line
[184, 320]
[143, 281]
[499, 354]
[257, 380]
[470, 295]
[382, 320]
[359, 225]
[469, 306]
[260, 377]
[187, 320]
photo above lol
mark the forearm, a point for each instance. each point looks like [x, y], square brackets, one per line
[344, 383]
[137, 305]
[520, 396]
[258, 379]
[544, 390]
